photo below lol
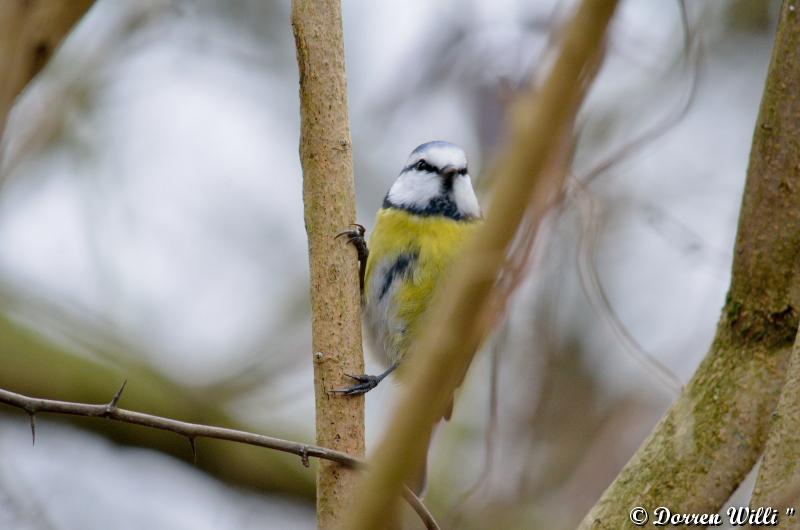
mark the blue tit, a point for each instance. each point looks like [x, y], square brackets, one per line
[427, 216]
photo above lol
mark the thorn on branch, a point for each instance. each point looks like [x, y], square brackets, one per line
[112, 405]
[193, 445]
[304, 456]
[32, 417]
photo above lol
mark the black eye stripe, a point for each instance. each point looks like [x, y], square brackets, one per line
[423, 165]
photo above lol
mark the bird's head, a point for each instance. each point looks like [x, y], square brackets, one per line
[435, 181]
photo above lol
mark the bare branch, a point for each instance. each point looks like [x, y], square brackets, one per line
[329, 205]
[192, 431]
[25, 356]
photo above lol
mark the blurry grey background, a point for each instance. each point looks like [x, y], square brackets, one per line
[151, 228]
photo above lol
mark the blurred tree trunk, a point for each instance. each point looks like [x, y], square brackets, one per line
[710, 439]
[30, 30]
[329, 198]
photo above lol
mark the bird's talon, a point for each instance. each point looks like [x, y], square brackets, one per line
[365, 384]
[355, 237]
[356, 232]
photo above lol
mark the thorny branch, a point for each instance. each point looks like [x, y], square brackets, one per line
[192, 431]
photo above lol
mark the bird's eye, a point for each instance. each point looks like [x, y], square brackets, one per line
[421, 165]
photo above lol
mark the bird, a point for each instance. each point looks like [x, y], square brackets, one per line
[427, 216]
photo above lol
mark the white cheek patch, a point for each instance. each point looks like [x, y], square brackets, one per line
[415, 189]
[465, 197]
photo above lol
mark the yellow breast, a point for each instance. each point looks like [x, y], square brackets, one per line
[409, 254]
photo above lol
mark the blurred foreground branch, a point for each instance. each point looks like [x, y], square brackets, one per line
[710, 439]
[29, 33]
[192, 431]
[540, 130]
[330, 205]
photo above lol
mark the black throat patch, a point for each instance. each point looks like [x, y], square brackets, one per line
[443, 205]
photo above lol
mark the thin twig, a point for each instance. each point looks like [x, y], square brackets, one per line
[192, 431]
[598, 299]
[691, 62]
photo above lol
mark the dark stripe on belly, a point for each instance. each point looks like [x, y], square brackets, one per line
[401, 267]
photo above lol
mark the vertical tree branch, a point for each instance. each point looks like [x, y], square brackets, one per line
[778, 482]
[329, 197]
[713, 434]
[539, 122]
[29, 33]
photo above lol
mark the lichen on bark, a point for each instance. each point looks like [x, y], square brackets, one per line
[716, 430]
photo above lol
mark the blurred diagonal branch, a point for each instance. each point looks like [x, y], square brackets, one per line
[330, 205]
[29, 33]
[709, 440]
[527, 176]
[192, 431]
[42, 112]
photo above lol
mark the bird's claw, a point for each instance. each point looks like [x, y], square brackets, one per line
[365, 384]
[355, 236]
[357, 231]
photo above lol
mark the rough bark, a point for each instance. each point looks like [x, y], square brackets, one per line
[778, 482]
[714, 433]
[329, 198]
[539, 121]
[30, 30]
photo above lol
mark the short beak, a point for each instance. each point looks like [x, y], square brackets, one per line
[449, 172]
